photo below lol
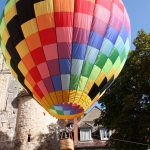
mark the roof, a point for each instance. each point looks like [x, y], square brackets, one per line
[95, 143]
[84, 125]
[91, 116]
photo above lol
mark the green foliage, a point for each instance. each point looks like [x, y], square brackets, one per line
[127, 112]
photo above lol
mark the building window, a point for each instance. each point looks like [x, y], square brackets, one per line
[29, 137]
[105, 134]
[85, 135]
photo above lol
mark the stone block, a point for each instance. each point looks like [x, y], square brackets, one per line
[1, 62]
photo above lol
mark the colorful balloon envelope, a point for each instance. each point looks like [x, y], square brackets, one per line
[65, 53]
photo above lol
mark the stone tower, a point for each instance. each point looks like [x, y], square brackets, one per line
[24, 124]
[33, 124]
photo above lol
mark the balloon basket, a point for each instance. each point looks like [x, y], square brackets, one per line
[66, 143]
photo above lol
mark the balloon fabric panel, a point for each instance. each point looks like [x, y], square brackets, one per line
[65, 53]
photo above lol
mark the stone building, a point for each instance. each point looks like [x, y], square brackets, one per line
[24, 124]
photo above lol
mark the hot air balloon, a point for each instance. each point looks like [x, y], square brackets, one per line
[65, 53]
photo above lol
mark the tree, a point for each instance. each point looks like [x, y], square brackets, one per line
[127, 102]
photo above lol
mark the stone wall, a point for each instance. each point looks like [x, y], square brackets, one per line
[8, 112]
[9, 89]
[4, 79]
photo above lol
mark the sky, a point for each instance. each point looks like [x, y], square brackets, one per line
[2, 4]
[139, 13]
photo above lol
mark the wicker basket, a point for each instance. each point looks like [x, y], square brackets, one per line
[67, 144]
